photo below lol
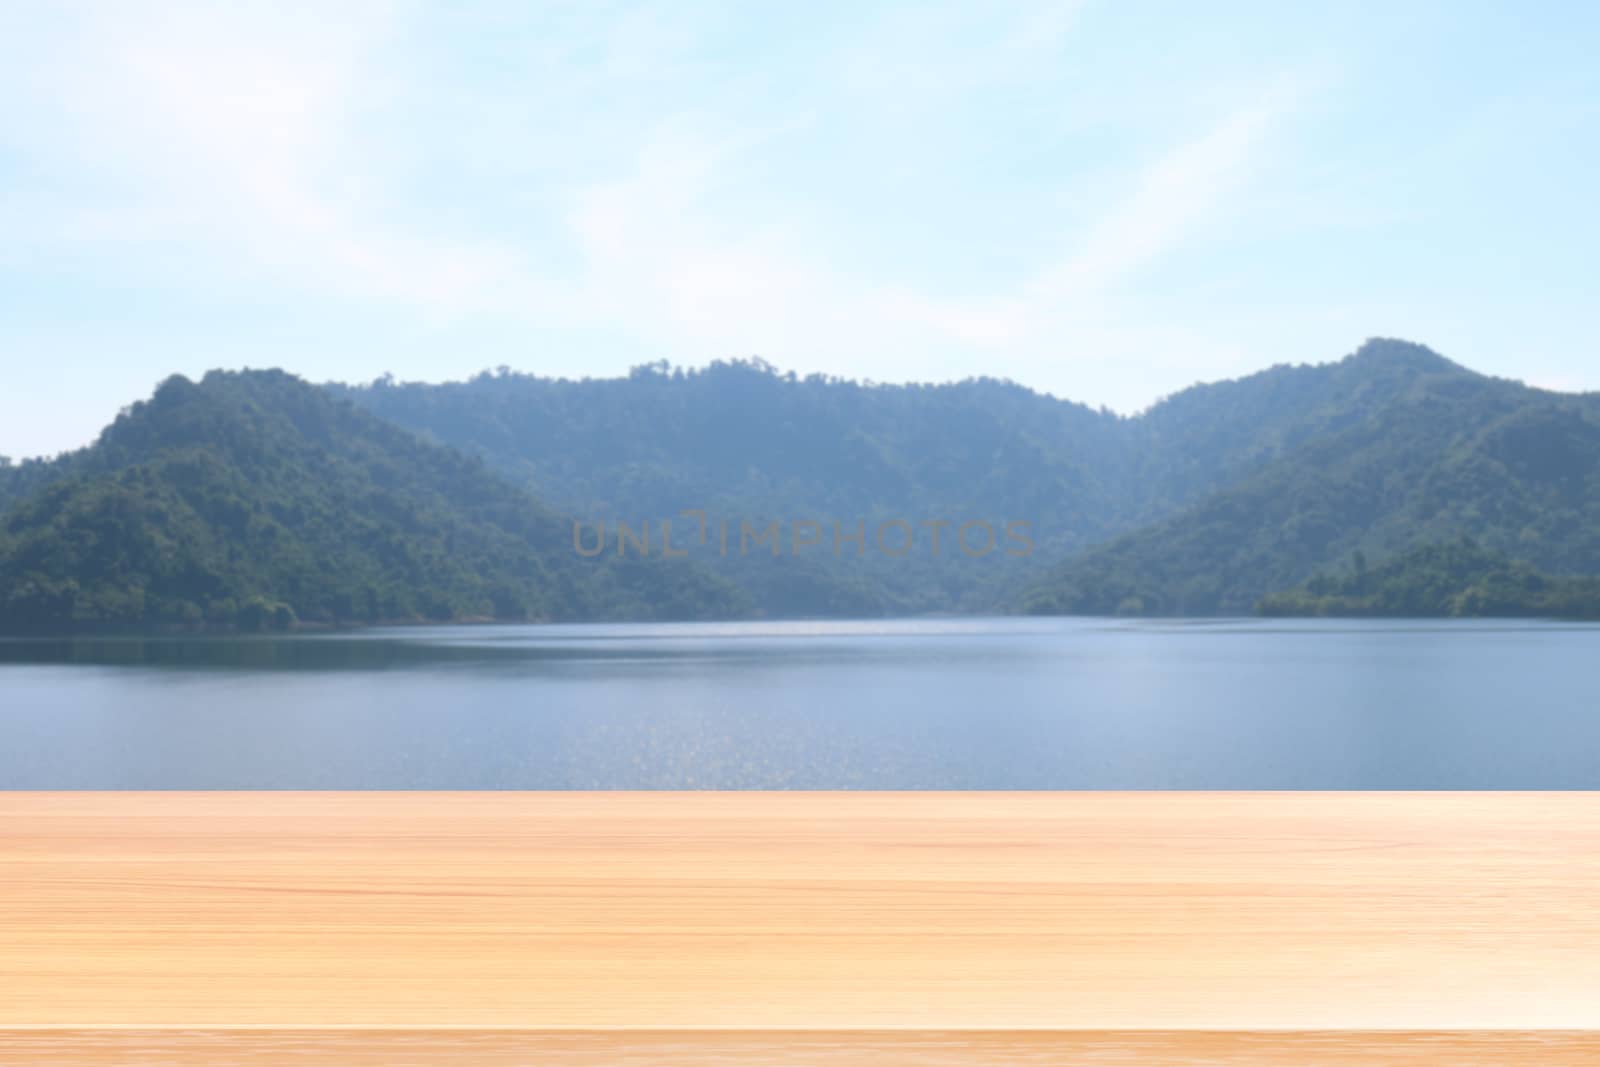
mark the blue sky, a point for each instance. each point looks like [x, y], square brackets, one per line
[1104, 200]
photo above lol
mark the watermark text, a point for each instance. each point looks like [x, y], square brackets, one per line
[894, 538]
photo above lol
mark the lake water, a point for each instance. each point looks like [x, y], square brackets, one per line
[959, 704]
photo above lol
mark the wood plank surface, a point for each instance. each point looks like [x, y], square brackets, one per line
[859, 912]
[795, 1048]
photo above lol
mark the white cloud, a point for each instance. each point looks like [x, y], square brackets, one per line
[921, 54]
[1069, 301]
[1170, 200]
[264, 133]
[237, 127]
[661, 257]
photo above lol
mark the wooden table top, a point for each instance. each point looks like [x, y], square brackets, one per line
[513, 913]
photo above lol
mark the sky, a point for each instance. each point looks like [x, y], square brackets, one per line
[1107, 201]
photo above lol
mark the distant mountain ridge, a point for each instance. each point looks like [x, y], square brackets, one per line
[1212, 499]
[742, 442]
[1205, 502]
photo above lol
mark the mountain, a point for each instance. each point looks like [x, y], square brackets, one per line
[1452, 580]
[253, 499]
[745, 444]
[1414, 450]
[1212, 498]
[784, 496]
[1211, 436]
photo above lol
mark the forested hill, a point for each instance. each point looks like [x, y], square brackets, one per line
[254, 499]
[1202, 504]
[253, 496]
[744, 443]
[744, 434]
[1453, 580]
[1432, 454]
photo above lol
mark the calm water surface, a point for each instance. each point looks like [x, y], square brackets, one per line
[968, 704]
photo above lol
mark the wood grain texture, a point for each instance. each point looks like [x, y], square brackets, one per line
[780, 912]
[794, 1048]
